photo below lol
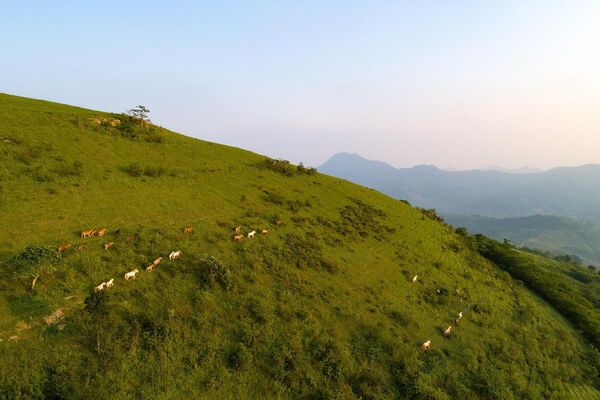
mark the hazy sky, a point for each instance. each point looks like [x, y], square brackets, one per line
[454, 83]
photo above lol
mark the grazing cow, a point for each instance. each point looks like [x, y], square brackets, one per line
[238, 230]
[110, 283]
[174, 255]
[102, 232]
[131, 274]
[108, 245]
[100, 287]
[279, 222]
[238, 238]
[264, 231]
[447, 331]
[88, 233]
[426, 346]
[150, 268]
[251, 234]
[157, 261]
[414, 279]
[63, 247]
[457, 320]
[188, 229]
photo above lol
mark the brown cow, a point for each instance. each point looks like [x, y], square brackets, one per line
[188, 229]
[108, 245]
[279, 222]
[238, 238]
[150, 268]
[63, 247]
[101, 232]
[238, 230]
[88, 233]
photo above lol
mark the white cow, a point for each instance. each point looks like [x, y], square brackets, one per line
[131, 274]
[457, 320]
[415, 278]
[111, 282]
[251, 234]
[426, 345]
[174, 255]
[100, 287]
[447, 331]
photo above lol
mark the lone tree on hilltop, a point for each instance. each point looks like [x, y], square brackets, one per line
[140, 112]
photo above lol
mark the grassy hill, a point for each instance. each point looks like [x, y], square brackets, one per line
[544, 232]
[322, 307]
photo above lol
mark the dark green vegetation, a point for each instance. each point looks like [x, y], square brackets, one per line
[545, 232]
[322, 307]
[573, 290]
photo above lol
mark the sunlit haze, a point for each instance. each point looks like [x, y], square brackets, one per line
[456, 84]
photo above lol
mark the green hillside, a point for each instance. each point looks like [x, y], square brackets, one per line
[322, 307]
[544, 232]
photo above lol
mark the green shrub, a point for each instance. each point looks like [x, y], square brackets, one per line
[34, 260]
[136, 170]
[73, 169]
[282, 166]
[363, 220]
[154, 171]
[240, 357]
[217, 273]
[35, 254]
[274, 197]
[302, 170]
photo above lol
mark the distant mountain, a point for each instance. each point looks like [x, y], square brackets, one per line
[544, 232]
[573, 192]
[522, 170]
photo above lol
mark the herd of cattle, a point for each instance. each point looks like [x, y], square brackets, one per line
[176, 254]
[172, 256]
[427, 345]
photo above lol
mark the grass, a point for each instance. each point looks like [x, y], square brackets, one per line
[322, 307]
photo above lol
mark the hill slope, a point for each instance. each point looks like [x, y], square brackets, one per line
[572, 192]
[544, 232]
[323, 306]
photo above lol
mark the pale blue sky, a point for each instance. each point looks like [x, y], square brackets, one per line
[454, 83]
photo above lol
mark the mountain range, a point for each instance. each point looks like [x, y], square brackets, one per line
[572, 192]
[481, 199]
